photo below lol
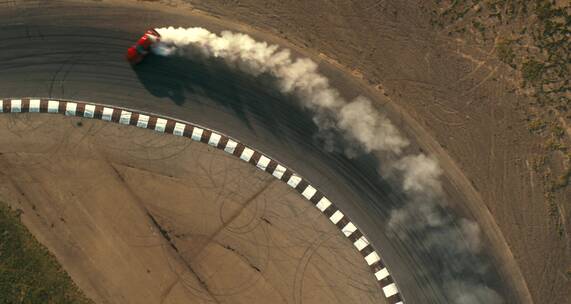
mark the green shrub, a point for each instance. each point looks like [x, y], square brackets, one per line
[532, 70]
[28, 272]
[536, 125]
[505, 52]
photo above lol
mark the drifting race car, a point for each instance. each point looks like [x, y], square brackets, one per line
[139, 50]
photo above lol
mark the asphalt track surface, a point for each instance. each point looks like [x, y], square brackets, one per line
[75, 50]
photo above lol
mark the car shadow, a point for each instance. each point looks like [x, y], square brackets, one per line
[212, 81]
[256, 100]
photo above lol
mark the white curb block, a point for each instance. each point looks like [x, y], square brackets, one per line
[198, 133]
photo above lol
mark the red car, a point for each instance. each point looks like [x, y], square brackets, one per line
[138, 51]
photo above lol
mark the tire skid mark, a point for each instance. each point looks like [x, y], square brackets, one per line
[198, 133]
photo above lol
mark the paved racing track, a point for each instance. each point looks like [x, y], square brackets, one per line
[75, 50]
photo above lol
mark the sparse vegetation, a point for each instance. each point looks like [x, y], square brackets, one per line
[28, 272]
[553, 144]
[479, 26]
[532, 70]
[538, 162]
[533, 38]
[552, 207]
[563, 179]
[505, 52]
[536, 125]
[540, 30]
[557, 131]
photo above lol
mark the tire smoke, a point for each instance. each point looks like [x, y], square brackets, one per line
[454, 241]
[358, 121]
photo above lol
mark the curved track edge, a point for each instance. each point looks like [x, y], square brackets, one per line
[169, 125]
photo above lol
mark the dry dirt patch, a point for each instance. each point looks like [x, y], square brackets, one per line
[139, 217]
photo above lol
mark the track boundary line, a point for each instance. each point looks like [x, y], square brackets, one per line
[169, 125]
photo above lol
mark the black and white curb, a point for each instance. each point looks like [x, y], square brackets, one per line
[195, 132]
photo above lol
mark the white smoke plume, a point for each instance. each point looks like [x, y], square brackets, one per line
[453, 243]
[360, 122]
[421, 174]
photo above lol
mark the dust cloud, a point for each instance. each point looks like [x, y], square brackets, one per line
[454, 241]
[358, 120]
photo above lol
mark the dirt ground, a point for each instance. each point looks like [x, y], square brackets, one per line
[460, 103]
[450, 94]
[139, 217]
